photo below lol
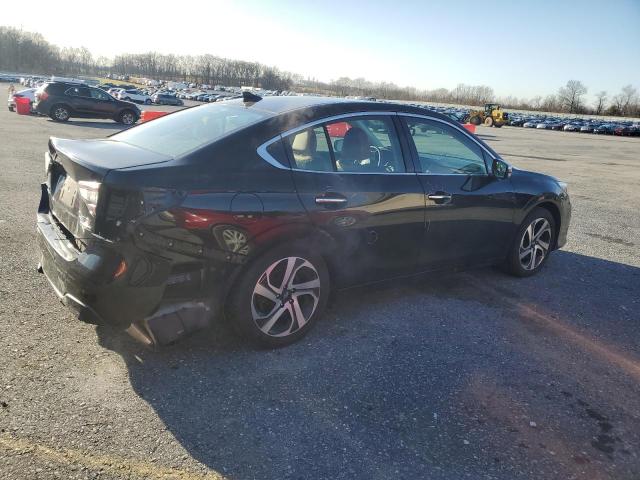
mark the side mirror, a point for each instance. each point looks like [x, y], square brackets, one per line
[501, 169]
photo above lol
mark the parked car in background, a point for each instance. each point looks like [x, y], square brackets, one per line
[166, 99]
[252, 211]
[27, 93]
[624, 130]
[134, 95]
[605, 128]
[61, 101]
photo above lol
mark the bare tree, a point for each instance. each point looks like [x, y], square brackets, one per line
[601, 101]
[628, 96]
[571, 95]
[536, 102]
[550, 103]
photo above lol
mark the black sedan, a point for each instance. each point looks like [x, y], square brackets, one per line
[255, 209]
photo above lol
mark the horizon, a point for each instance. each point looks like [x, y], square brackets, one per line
[387, 44]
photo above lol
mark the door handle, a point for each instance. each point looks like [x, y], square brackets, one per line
[333, 200]
[440, 197]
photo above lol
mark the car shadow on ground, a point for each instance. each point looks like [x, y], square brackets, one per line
[429, 378]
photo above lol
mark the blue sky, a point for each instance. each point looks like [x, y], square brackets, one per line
[518, 48]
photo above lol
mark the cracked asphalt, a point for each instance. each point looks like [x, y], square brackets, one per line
[472, 375]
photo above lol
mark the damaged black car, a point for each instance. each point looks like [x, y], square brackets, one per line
[255, 209]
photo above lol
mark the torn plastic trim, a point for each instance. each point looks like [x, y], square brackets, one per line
[171, 322]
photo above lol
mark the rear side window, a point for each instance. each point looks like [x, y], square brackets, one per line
[189, 129]
[310, 150]
[78, 92]
[355, 145]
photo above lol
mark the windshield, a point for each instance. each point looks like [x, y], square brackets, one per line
[189, 129]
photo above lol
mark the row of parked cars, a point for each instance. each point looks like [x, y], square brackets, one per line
[541, 122]
[580, 125]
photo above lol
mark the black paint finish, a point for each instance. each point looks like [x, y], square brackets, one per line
[171, 219]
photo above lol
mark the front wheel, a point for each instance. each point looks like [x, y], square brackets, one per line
[488, 122]
[128, 117]
[533, 244]
[10, 108]
[475, 120]
[280, 297]
[147, 101]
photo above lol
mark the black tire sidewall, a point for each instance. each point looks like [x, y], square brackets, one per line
[238, 305]
[513, 261]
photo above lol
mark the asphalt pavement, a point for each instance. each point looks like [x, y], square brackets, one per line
[471, 375]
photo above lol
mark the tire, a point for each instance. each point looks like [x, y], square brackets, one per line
[60, 113]
[11, 109]
[127, 117]
[261, 314]
[498, 125]
[488, 122]
[147, 102]
[543, 228]
[475, 120]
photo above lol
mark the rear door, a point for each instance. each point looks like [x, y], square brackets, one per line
[469, 211]
[351, 176]
[80, 100]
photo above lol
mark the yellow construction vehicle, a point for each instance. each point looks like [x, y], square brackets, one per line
[492, 116]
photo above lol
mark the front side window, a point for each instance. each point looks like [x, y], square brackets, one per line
[354, 145]
[442, 150]
[98, 94]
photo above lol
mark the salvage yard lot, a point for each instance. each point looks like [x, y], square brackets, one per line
[470, 375]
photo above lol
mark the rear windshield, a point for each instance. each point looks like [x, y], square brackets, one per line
[190, 129]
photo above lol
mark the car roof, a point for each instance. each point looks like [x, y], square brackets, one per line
[318, 107]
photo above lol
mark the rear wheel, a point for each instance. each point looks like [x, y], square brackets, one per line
[488, 122]
[147, 101]
[498, 125]
[280, 297]
[60, 113]
[128, 117]
[533, 244]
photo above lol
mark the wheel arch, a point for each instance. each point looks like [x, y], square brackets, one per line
[554, 210]
[308, 236]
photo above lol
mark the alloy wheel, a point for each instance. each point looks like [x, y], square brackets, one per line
[285, 296]
[61, 113]
[128, 118]
[535, 243]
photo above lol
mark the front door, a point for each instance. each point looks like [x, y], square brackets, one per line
[103, 105]
[469, 212]
[353, 181]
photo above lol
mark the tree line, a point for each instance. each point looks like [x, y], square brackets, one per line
[28, 52]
